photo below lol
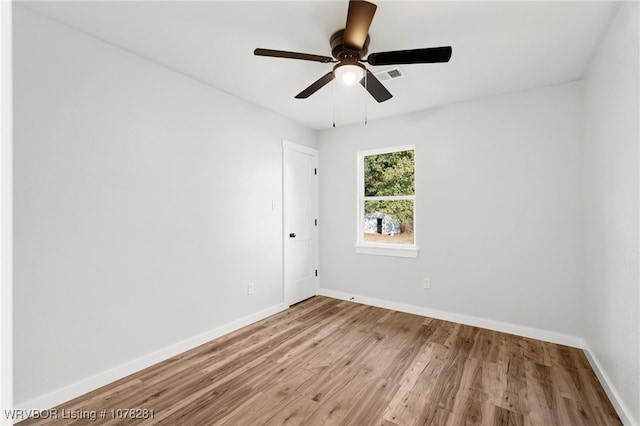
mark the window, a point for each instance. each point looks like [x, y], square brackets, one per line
[386, 202]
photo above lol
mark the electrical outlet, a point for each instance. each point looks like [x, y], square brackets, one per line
[426, 282]
[251, 288]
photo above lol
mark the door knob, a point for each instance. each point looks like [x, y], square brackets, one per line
[292, 235]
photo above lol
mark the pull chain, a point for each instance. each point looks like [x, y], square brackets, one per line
[366, 90]
[334, 103]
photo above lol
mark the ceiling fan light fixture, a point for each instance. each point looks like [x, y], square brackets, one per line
[348, 48]
[349, 74]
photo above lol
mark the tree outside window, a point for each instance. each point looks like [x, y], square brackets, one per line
[387, 197]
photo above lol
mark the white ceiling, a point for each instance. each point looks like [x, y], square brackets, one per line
[498, 47]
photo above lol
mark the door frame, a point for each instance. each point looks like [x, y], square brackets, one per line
[288, 145]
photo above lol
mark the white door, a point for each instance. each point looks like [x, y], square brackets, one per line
[300, 208]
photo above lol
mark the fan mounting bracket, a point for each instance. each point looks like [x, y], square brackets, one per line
[341, 53]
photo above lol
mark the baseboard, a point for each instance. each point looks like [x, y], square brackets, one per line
[534, 333]
[623, 411]
[82, 387]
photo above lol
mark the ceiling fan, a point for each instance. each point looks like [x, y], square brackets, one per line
[350, 46]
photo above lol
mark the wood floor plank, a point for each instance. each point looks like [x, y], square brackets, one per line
[334, 408]
[331, 362]
[370, 404]
[292, 412]
[542, 403]
[487, 346]
[504, 417]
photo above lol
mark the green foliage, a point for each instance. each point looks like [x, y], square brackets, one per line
[391, 174]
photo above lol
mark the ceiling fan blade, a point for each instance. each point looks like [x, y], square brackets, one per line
[292, 55]
[414, 56]
[317, 85]
[375, 88]
[359, 19]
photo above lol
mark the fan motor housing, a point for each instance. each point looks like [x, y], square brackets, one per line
[340, 52]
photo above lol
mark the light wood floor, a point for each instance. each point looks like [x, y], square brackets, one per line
[326, 362]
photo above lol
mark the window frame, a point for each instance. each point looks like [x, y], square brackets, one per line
[383, 249]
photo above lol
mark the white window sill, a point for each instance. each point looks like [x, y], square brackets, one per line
[410, 252]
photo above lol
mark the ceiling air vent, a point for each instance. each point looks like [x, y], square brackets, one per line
[390, 74]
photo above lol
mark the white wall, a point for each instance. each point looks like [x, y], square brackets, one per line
[6, 209]
[498, 211]
[142, 207]
[611, 294]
